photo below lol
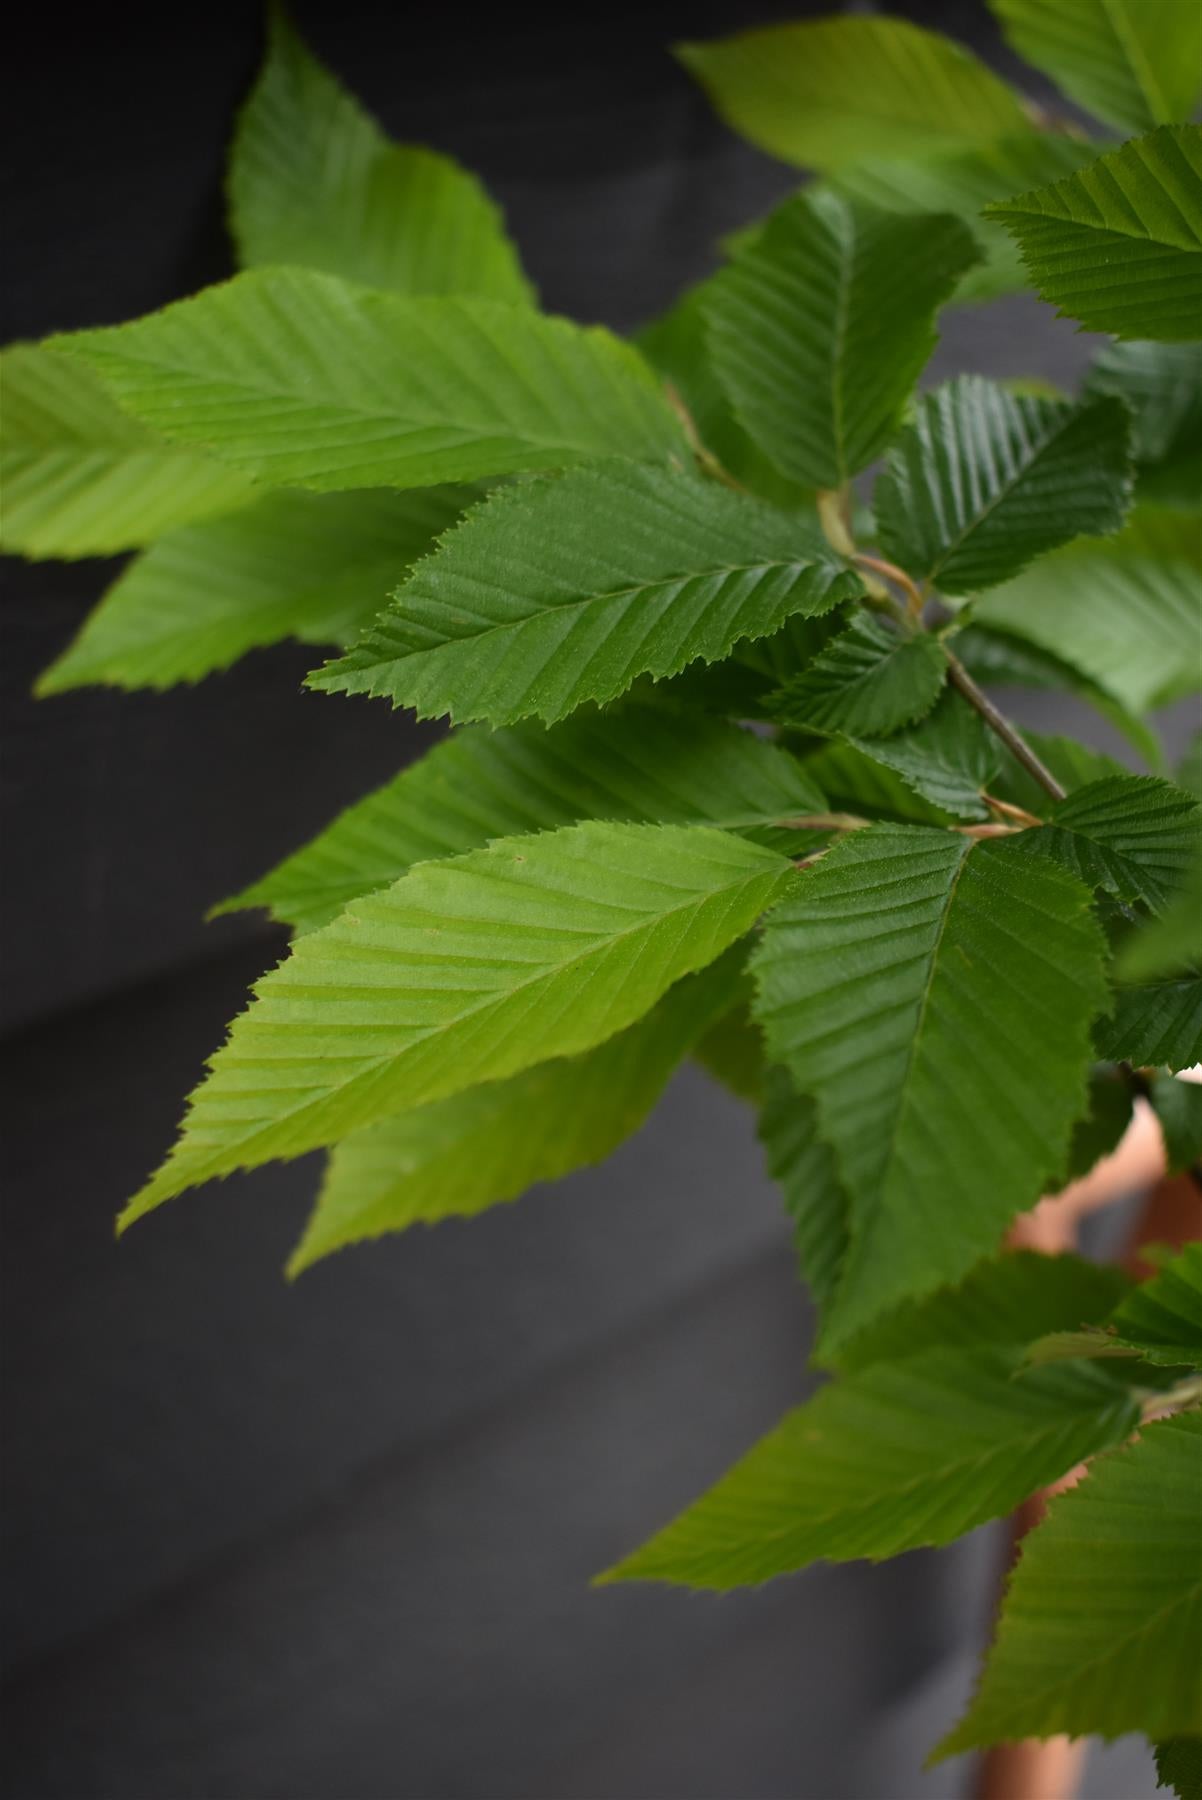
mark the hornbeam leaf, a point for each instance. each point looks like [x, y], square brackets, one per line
[641, 764]
[732, 1051]
[828, 92]
[1178, 1107]
[809, 1180]
[1100, 1626]
[1072, 764]
[962, 181]
[1102, 1127]
[872, 980]
[1157, 1322]
[80, 477]
[1129, 63]
[899, 1455]
[985, 479]
[1118, 245]
[822, 323]
[465, 971]
[456, 1157]
[1161, 384]
[1157, 1025]
[1124, 612]
[1006, 1300]
[314, 181]
[1132, 835]
[1189, 768]
[1179, 1766]
[857, 781]
[868, 681]
[950, 757]
[311, 566]
[302, 380]
[562, 591]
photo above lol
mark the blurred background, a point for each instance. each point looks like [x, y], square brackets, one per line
[332, 1541]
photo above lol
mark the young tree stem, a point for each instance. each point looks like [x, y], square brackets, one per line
[1000, 724]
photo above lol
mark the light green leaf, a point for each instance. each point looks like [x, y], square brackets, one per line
[1161, 384]
[809, 1180]
[1158, 1322]
[1006, 1300]
[822, 323]
[984, 480]
[311, 566]
[1101, 1622]
[950, 757]
[640, 764]
[827, 92]
[1178, 1107]
[80, 478]
[964, 180]
[1133, 64]
[1118, 245]
[315, 182]
[1179, 1766]
[1125, 612]
[456, 1157]
[302, 380]
[873, 978]
[1157, 1025]
[558, 592]
[870, 680]
[1132, 835]
[465, 971]
[899, 1455]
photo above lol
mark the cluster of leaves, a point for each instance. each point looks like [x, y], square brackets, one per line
[939, 956]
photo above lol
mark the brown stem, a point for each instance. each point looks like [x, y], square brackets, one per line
[891, 572]
[1000, 724]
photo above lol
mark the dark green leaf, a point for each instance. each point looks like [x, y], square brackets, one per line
[809, 1181]
[869, 681]
[1178, 1106]
[1179, 1766]
[985, 479]
[1132, 835]
[1162, 385]
[949, 758]
[1157, 1025]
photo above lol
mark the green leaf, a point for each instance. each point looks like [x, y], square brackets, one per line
[873, 978]
[1118, 245]
[1189, 769]
[456, 1157]
[80, 478]
[1179, 1766]
[950, 757]
[640, 764]
[1132, 835]
[558, 592]
[465, 971]
[870, 680]
[1125, 612]
[1161, 384]
[732, 1051]
[828, 92]
[315, 182]
[1178, 1106]
[822, 323]
[984, 480]
[1101, 1621]
[300, 379]
[900, 1455]
[962, 181]
[1006, 1300]
[858, 781]
[1071, 763]
[1129, 63]
[311, 566]
[809, 1181]
[1158, 1322]
[1157, 1025]
[676, 345]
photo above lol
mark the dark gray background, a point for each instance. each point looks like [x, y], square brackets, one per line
[334, 1540]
